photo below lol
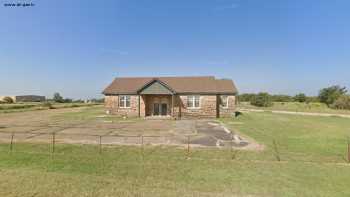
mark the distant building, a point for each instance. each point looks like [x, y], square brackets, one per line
[25, 98]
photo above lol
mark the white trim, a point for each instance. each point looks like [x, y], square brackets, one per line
[227, 99]
[124, 102]
[194, 102]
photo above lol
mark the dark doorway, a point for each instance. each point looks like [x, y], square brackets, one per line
[156, 109]
[164, 109]
[160, 109]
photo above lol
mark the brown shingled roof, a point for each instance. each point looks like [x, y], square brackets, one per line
[181, 85]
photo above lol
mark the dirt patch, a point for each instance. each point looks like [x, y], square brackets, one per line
[214, 129]
[40, 126]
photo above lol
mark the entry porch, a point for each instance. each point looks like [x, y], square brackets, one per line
[158, 99]
[158, 105]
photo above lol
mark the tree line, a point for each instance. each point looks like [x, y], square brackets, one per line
[334, 97]
[59, 99]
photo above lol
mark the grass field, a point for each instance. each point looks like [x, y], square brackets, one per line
[296, 107]
[312, 152]
[32, 106]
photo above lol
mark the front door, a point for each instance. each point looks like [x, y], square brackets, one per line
[160, 109]
[164, 109]
[156, 109]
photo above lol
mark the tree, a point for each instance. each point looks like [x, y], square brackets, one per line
[58, 98]
[262, 99]
[67, 100]
[300, 98]
[331, 94]
[245, 97]
[281, 98]
[343, 102]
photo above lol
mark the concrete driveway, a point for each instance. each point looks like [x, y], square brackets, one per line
[209, 133]
[40, 128]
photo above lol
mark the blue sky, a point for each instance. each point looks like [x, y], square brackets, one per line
[78, 47]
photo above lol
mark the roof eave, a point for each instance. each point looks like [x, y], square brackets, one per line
[156, 80]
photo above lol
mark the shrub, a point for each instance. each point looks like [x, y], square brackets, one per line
[301, 98]
[343, 102]
[262, 99]
[75, 105]
[21, 106]
[331, 94]
[67, 100]
[8, 100]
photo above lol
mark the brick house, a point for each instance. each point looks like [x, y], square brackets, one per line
[171, 96]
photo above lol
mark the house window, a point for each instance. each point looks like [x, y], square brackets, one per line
[224, 101]
[193, 101]
[124, 101]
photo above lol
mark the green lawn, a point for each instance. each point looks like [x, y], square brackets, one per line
[312, 150]
[32, 106]
[296, 107]
[298, 138]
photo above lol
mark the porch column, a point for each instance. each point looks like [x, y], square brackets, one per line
[172, 105]
[139, 106]
[180, 106]
[218, 106]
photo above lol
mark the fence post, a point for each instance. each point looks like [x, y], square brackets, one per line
[11, 144]
[142, 147]
[188, 147]
[233, 152]
[348, 150]
[231, 143]
[277, 153]
[100, 142]
[233, 156]
[53, 141]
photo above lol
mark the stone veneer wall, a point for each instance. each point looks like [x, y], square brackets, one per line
[207, 106]
[230, 110]
[112, 106]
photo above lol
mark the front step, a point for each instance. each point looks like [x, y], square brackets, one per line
[159, 117]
